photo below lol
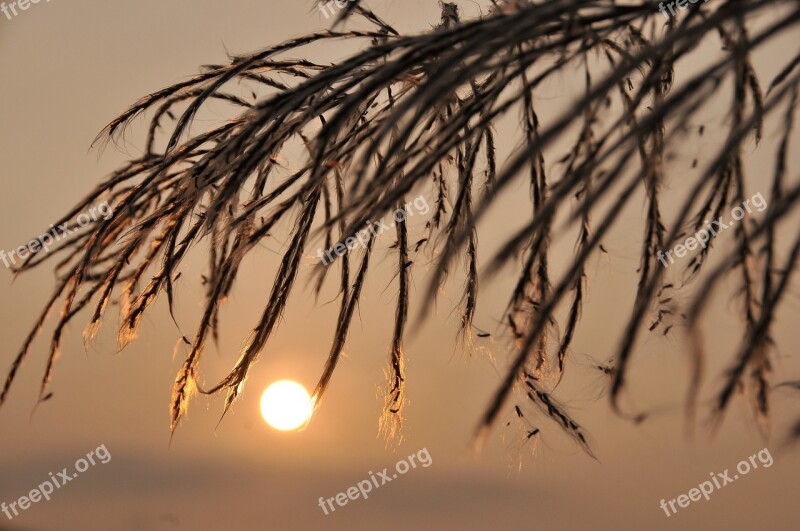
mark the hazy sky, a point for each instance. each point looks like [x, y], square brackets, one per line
[66, 68]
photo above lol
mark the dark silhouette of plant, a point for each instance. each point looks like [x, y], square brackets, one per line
[415, 113]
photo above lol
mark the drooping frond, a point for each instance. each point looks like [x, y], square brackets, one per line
[414, 115]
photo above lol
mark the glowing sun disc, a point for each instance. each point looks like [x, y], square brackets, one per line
[286, 405]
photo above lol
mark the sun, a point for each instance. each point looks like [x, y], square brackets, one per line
[286, 405]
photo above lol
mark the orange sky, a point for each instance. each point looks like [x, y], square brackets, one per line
[67, 68]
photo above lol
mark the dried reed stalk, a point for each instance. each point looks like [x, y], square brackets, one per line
[415, 114]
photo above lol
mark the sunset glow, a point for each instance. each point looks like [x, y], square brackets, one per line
[286, 405]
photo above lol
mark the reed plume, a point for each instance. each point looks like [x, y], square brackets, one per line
[411, 114]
